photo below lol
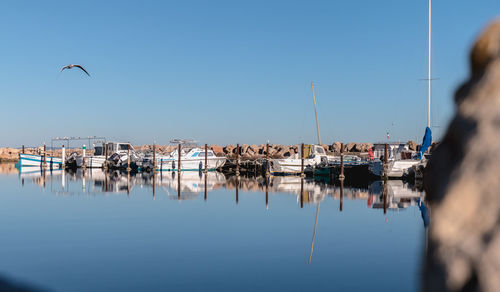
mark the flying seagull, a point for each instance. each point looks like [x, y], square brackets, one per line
[70, 66]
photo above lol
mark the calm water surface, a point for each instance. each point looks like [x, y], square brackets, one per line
[96, 232]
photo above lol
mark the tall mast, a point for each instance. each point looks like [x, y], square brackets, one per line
[429, 73]
[316, 113]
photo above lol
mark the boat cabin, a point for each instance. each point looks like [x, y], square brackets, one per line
[395, 151]
[118, 147]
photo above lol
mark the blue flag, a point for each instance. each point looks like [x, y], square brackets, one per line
[426, 142]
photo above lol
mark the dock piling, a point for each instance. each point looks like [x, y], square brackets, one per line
[302, 160]
[154, 158]
[44, 156]
[128, 158]
[105, 165]
[267, 160]
[385, 162]
[206, 161]
[341, 177]
[179, 160]
[63, 157]
[237, 159]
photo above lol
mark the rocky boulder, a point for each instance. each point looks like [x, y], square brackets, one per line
[462, 182]
[336, 147]
[362, 147]
[218, 151]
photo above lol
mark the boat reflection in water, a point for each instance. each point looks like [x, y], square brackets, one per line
[394, 195]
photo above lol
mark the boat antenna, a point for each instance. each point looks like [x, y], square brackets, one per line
[316, 113]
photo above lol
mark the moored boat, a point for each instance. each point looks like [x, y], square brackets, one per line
[192, 160]
[33, 160]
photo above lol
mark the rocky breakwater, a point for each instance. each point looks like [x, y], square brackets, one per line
[247, 152]
[463, 182]
[253, 151]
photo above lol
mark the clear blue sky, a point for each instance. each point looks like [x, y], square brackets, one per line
[230, 71]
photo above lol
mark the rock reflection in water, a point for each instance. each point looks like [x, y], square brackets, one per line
[395, 195]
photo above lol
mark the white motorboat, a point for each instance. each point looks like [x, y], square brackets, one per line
[193, 160]
[96, 160]
[400, 160]
[314, 155]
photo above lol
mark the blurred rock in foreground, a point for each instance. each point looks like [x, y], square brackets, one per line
[463, 182]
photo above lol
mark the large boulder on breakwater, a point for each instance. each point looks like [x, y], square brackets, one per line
[218, 150]
[462, 182]
[362, 147]
[336, 146]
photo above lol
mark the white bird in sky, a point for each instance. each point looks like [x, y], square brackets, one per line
[70, 66]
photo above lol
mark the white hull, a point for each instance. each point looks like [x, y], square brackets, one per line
[91, 161]
[289, 166]
[396, 168]
[192, 164]
[37, 161]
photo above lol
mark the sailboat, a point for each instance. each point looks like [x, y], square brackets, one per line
[401, 162]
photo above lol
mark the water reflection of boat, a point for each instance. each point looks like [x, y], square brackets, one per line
[312, 191]
[398, 195]
[191, 182]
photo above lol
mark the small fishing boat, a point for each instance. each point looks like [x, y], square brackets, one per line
[33, 160]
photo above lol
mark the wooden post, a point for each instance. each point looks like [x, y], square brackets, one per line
[23, 149]
[267, 159]
[302, 160]
[154, 158]
[237, 159]
[105, 165]
[179, 159]
[154, 169]
[385, 162]
[44, 156]
[63, 157]
[128, 158]
[206, 161]
[341, 177]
